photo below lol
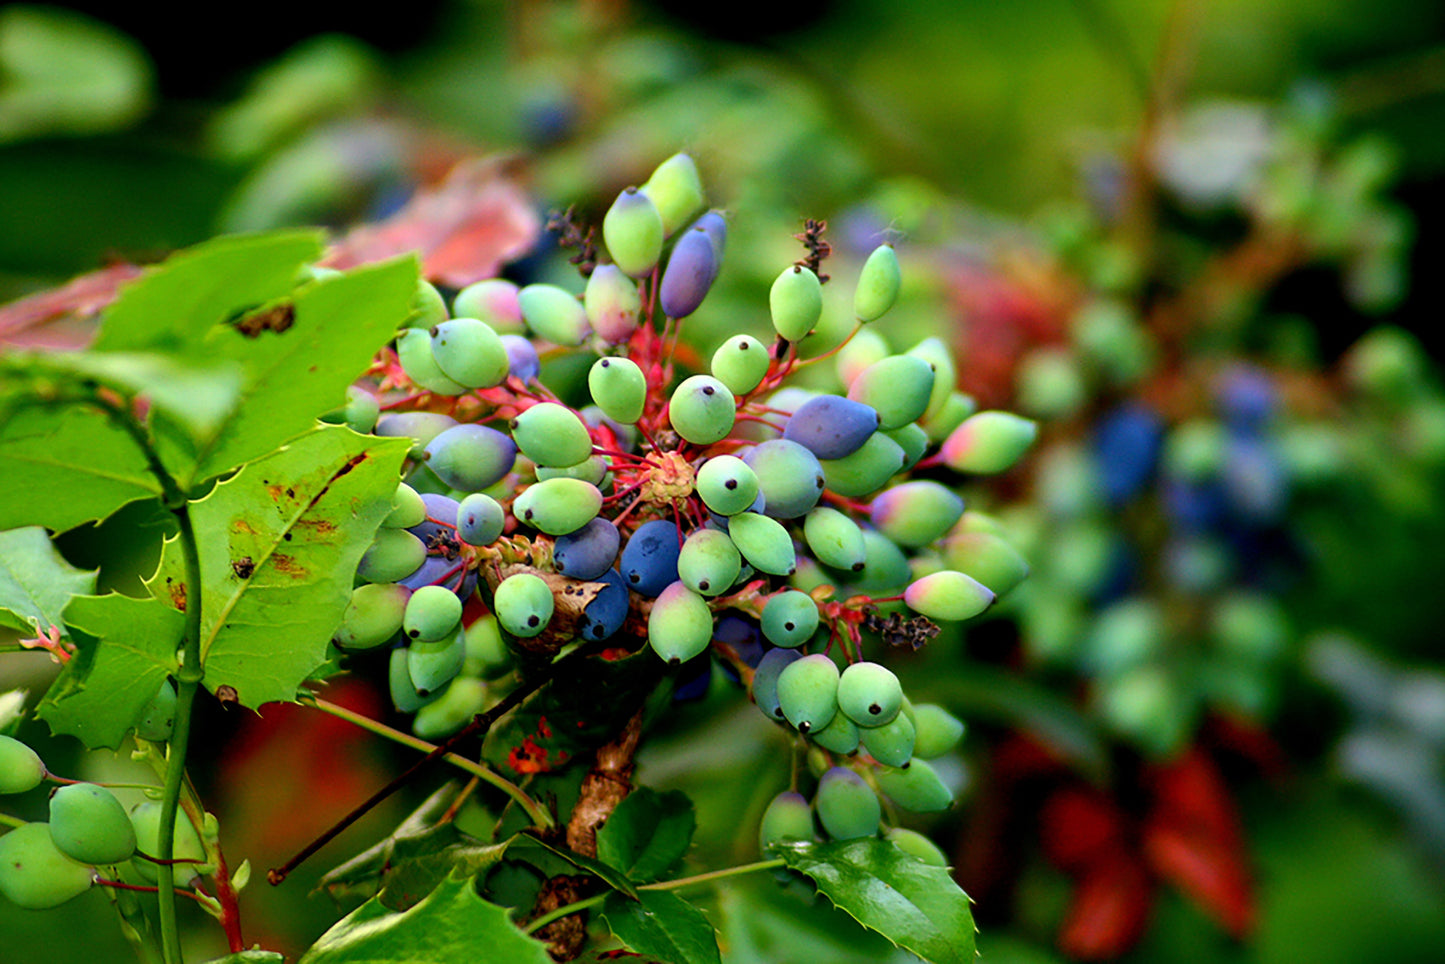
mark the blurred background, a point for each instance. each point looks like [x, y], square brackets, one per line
[1199, 242]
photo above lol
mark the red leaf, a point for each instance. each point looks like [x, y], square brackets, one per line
[1211, 873]
[1110, 908]
[1191, 794]
[465, 228]
[1078, 828]
[60, 318]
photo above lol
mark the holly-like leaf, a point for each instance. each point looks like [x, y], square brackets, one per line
[760, 922]
[250, 957]
[662, 924]
[417, 863]
[647, 833]
[36, 583]
[365, 870]
[127, 646]
[197, 394]
[325, 335]
[452, 926]
[86, 467]
[915, 905]
[279, 546]
[608, 875]
[174, 305]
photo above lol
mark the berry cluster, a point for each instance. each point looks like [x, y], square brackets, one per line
[702, 508]
[89, 838]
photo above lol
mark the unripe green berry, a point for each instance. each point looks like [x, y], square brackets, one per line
[878, 284]
[632, 231]
[619, 388]
[523, 603]
[869, 694]
[431, 613]
[740, 363]
[88, 824]
[808, 692]
[789, 618]
[795, 302]
[36, 874]
[20, 766]
[847, 807]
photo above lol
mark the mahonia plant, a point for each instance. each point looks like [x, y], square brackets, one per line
[550, 577]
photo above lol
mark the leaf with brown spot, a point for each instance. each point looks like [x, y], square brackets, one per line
[264, 634]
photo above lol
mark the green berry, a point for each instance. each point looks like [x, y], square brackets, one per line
[35, 873]
[20, 766]
[632, 231]
[764, 543]
[727, 484]
[619, 388]
[374, 615]
[432, 664]
[407, 509]
[558, 506]
[186, 844]
[915, 787]
[740, 363]
[432, 613]
[948, 596]
[702, 410]
[88, 824]
[159, 716]
[680, 624]
[413, 350]
[554, 313]
[709, 563]
[470, 352]
[847, 807]
[676, 189]
[795, 302]
[892, 743]
[869, 694]
[789, 618]
[551, 434]
[523, 603]
[878, 284]
[915, 844]
[936, 731]
[808, 692]
[788, 817]
[841, 735]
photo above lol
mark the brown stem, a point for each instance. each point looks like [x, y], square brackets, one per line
[479, 726]
[603, 788]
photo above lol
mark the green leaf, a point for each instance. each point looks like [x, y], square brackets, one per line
[417, 864]
[647, 833]
[250, 957]
[86, 467]
[915, 905]
[195, 394]
[174, 305]
[763, 922]
[662, 924]
[279, 544]
[104, 688]
[295, 375]
[406, 866]
[452, 926]
[36, 583]
[608, 875]
[363, 873]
